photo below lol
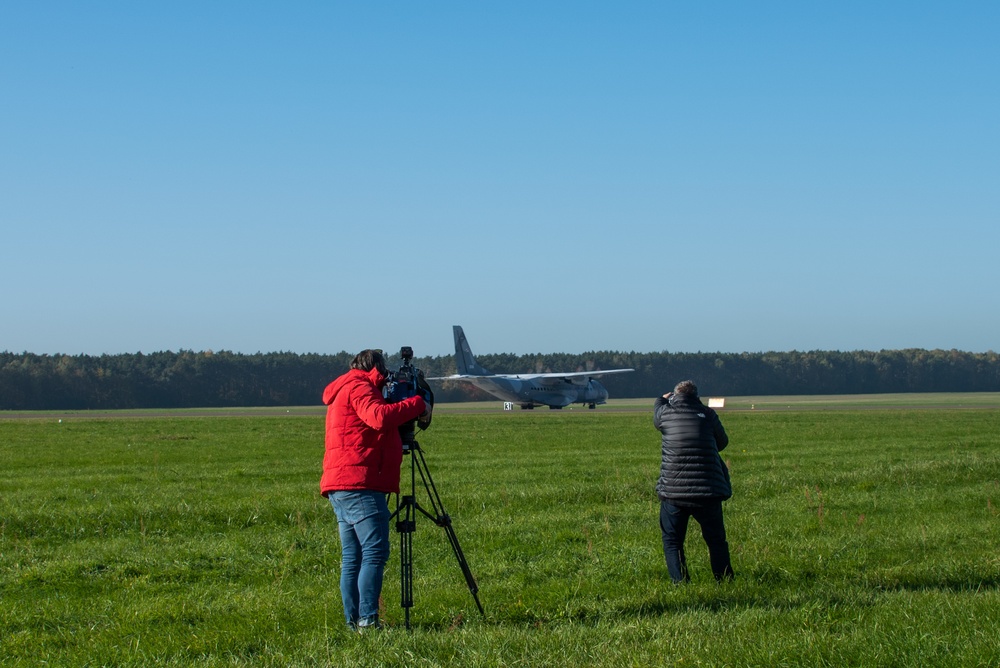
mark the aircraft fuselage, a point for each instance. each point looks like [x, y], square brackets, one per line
[531, 392]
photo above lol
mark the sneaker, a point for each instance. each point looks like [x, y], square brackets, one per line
[370, 624]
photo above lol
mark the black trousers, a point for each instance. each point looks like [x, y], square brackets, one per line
[673, 525]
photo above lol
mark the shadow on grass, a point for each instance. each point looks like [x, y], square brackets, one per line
[955, 585]
[769, 590]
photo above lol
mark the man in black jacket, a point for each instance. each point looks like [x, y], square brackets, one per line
[694, 481]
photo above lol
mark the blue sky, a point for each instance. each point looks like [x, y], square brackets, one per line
[555, 176]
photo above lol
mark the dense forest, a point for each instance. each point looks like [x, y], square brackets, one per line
[225, 379]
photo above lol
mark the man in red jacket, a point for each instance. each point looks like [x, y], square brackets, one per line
[361, 466]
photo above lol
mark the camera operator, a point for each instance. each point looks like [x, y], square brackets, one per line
[694, 481]
[361, 466]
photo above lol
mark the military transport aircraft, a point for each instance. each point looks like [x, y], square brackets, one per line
[554, 390]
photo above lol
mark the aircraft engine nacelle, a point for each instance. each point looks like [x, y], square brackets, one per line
[594, 394]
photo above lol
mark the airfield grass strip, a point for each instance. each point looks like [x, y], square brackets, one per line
[859, 537]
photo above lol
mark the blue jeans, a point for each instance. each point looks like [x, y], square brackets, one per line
[673, 525]
[363, 519]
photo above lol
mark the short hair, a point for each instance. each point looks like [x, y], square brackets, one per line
[370, 359]
[686, 387]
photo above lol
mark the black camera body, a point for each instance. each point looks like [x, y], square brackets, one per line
[408, 381]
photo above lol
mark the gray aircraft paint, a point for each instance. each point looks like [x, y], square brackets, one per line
[555, 390]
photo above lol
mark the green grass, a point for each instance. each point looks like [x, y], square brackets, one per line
[860, 537]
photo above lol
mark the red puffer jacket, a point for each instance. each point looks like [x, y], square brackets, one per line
[363, 447]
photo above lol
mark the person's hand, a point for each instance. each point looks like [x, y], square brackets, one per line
[424, 420]
[667, 395]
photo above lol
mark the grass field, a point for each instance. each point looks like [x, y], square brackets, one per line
[866, 535]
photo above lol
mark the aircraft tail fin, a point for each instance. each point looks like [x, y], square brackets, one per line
[464, 359]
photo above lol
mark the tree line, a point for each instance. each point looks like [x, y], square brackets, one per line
[207, 379]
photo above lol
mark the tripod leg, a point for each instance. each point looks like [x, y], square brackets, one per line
[470, 581]
[406, 527]
[442, 519]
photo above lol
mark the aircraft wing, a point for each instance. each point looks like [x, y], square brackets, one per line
[558, 376]
[542, 377]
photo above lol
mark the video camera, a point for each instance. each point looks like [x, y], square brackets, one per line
[408, 381]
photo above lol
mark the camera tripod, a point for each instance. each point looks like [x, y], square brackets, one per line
[406, 511]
